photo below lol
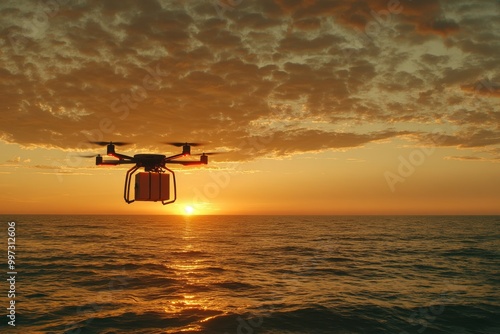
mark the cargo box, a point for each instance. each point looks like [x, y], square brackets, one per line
[150, 186]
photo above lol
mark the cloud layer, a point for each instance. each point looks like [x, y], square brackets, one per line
[271, 77]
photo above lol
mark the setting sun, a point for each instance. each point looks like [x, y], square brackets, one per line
[188, 209]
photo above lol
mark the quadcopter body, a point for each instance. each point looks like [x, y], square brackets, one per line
[157, 182]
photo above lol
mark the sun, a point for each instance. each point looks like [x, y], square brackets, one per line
[189, 210]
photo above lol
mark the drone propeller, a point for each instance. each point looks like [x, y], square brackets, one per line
[105, 143]
[179, 144]
[209, 153]
[88, 155]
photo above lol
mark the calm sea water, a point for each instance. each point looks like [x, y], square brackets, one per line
[252, 274]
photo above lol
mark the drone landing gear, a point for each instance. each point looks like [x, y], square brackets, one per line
[152, 185]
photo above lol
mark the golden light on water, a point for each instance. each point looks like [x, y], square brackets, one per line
[194, 298]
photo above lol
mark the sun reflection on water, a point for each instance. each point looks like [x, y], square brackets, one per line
[195, 298]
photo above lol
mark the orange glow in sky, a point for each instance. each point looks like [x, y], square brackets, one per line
[321, 107]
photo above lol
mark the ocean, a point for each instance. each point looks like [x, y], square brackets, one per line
[252, 274]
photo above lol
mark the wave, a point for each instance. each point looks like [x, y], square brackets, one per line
[472, 252]
[270, 275]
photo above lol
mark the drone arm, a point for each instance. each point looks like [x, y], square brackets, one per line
[167, 159]
[113, 162]
[100, 162]
[120, 156]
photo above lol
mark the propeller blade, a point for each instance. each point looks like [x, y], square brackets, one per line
[179, 144]
[88, 155]
[105, 143]
[209, 153]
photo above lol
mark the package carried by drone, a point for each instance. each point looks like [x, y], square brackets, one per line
[155, 183]
[150, 186]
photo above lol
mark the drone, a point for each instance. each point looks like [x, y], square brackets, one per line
[154, 183]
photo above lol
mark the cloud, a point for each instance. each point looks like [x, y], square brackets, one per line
[484, 87]
[442, 27]
[281, 143]
[473, 158]
[18, 160]
[15, 160]
[472, 138]
[307, 74]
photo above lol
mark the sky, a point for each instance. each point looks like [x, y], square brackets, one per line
[321, 106]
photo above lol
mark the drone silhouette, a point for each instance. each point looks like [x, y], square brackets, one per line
[154, 183]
